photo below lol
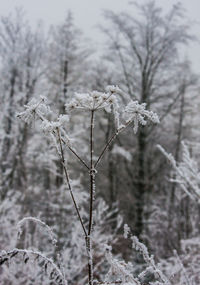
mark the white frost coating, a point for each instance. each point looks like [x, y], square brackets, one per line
[126, 231]
[149, 259]
[4, 255]
[186, 171]
[120, 269]
[121, 151]
[138, 114]
[187, 279]
[114, 89]
[169, 156]
[63, 119]
[96, 100]
[32, 108]
[37, 221]
[49, 127]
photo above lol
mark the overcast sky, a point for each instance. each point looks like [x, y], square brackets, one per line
[88, 13]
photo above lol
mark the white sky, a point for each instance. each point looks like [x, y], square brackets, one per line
[88, 13]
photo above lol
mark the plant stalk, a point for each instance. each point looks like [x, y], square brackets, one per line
[92, 189]
[68, 182]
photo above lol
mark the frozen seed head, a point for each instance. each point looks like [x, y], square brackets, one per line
[113, 89]
[105, 96]
[96, 95]
[137, 113]
[111, 100]
[71, 106]
[94, 100]
[49, 127]
[33, 108]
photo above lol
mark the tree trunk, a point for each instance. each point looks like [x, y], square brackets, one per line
[140, 190]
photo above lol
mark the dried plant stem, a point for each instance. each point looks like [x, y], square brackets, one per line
[75, 153]
[113, 137]
[105, 148]
[68, 182]
[37, 221]
[92, 189]
[92, 172]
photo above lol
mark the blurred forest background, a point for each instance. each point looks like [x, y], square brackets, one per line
[143, 56]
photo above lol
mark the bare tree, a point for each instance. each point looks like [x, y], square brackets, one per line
[67, 61]
[145, 48]
[21, 52]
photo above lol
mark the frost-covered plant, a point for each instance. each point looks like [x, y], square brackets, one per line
[124, 272]
[51, 269]
[138, 114]
[183, 268]
[38, 221]
[91, 102]
[187, 174]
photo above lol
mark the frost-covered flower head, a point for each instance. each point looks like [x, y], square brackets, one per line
[113, 89]
[33, 107]
[94, 100]
[51, 126]
[137, 113]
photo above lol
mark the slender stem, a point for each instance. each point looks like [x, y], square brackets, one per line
[79, 158]
[118, 131]
[92, 172]
[105, 148]
[90, 259]
[68, 182]
[92, 189]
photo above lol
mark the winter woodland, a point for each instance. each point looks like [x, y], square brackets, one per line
[99, 157]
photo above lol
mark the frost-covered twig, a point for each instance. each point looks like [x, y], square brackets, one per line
[188, 175]
[133, 113]
[39, 108]
[120, 269]
[51, 127]
[149, 259]
[113, 137]
[92, 189]
[39, 222]
[68, 182]
[33, 108]
[188, 282]
[49, 265]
